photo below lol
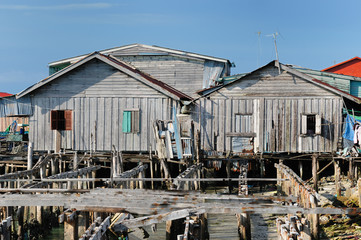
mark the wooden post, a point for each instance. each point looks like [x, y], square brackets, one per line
[315, 220]
[83, 222]
[152, 172]
[168, 228]
[58, 141]
[300, 167]
[337, 179]
[351, 171]
[314, 173]
[70, 227]
[228, 169]
[359, 192]
[204, 226]
[75, 161]
[244, 226]
[30, 156]
[141, 175]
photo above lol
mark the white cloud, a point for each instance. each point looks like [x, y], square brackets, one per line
[56, 7]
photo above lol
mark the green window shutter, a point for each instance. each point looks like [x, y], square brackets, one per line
[127, 121]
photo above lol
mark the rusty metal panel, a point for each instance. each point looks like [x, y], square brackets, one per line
[242, 144]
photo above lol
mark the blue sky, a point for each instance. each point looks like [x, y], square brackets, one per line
[313, 34]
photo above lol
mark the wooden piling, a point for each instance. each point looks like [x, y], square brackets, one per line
[228, 170]
[30, 156]
[300, 167]
[314, 172]
[83, 222]
[70, 227]
[315, 220]
[244, 226]
[337, 178]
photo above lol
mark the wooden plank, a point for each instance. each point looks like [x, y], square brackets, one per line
[240, 134]
[177, 135]
[159, 218]
[261, 123]
[222, 114]
[288, 126]
[228, 121]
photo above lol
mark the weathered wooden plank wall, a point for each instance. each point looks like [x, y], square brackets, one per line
[98, 94]
[6, 121]
[108, 115]
[276, 103]
[186, 75]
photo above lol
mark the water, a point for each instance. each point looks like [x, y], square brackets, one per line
[57, 233]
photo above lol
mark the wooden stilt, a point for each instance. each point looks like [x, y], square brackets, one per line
[30, 156]
[83, 222]
[168, 228]
[337, 179]
[152, 172]
[300, 167]
[314, 172]
[315, 221]
[228, 169]
[244, 226]
[70, 227]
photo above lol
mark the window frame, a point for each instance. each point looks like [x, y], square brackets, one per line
[131, 121]
[61, 120]
[306, 122]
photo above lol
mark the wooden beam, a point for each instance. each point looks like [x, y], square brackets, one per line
[159, 218]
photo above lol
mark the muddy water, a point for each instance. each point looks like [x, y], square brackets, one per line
[57, 233]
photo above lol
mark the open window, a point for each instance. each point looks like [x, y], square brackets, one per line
[131, 121]
[311, 124]
[61, 119]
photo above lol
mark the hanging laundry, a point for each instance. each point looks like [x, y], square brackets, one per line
[357, 133]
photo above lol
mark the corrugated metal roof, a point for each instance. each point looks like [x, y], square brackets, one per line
[169, 50]
[341, 82]
[134, 72]
[341, 63]
[307, 74]
[4, 94]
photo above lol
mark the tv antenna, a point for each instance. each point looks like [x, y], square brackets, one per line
[274, 35]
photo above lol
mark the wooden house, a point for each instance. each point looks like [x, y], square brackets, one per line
[185, 71]
[274, 109]
[97, 102]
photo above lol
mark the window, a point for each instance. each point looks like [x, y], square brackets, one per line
[131, 121]
[311, 124]
[61, 120]
[244, 123]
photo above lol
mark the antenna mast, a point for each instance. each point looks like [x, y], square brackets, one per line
[259, 49]
[274, 39]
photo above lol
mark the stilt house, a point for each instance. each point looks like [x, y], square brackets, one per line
[274, 109]
[94, 102]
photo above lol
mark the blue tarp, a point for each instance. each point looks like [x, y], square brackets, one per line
[349, 132]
